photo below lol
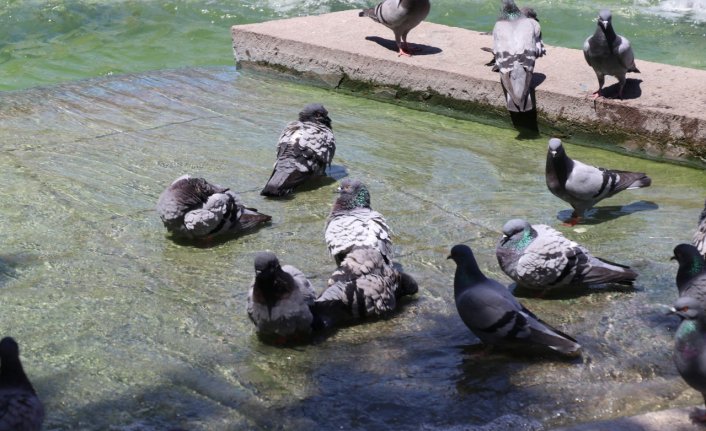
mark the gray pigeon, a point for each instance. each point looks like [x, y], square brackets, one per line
[364, 285]
[609, 53]
[352, 222]
[691, 275]
[193, 208]
[699, 239]
[305, 149]
[400, 16]
[690, 347]
[20, 408]
[279, 300]
[539, 257]
[493, 314]
[582, 185]
[517, 43]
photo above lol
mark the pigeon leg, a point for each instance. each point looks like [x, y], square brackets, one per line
[573, 221]
[601, 81]
[620, 89]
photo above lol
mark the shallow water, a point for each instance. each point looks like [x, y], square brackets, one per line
[49, 41]
[121, 328]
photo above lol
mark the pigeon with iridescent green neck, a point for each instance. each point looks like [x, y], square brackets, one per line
[539, 257]
[691, 275]
[700, 235]
[690, 347]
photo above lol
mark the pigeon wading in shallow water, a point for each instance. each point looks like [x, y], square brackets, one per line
[691, 275]
[690, 347]
[700, 235]
[193, 208]
[364, 285]
[517, 43]
[400, 16]
[279, 300]
[608, 53]
[493, 314]
[582, 185]
[305, 149]
[541, 258]
[353, 223]
[20, 408]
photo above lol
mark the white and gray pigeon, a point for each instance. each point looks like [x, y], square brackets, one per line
[304, 150]
[582, 185]
[20, 407]
[517, 43]
[400, 16]
[352, 222]
[690, 347]
[193, 208]
[691, 275]
[280, 300]
[541, 258]
[493, 314]
[364, 286]
[609, 53]
[699, 239]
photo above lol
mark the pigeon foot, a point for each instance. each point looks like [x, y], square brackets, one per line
[573, 221]
[596, 94]
[404, 52]
[698, 415]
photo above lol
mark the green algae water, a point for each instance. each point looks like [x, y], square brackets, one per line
[122, 329]
[49, 41]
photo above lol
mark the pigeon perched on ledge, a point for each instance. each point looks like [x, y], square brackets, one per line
[582, 185]
[699, 239]
[305, 149]
[493, 314]
[400, 16]
[609, 53]
[193, 208]
[20, 408]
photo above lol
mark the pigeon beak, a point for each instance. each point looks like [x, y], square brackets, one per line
[448, 257]
[672, 310]
[603, 24]
[553, 153]
[673, 258]
[338, 190]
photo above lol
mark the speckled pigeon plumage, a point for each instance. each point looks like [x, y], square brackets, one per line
[539, 257]
[493, 314]
[690, 347]
[582, 185]
[609, 53]
[305, 149]
[279, 299]
[193, 208]
[691, 275]
[353, 223]
[517, 43]
[699, 239]
[400, 16]
[20, 408]
[364, 285]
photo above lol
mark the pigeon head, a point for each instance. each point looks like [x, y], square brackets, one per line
[530, 13]
[691, 263]
[517, 234]
[266, 265]
[687, 308]
[604, 19]
[555, 147]
[11, 372]
[9, 349]
[353, 194]
[510, 10]
[315, 112]
[461, 253]
[467, 270]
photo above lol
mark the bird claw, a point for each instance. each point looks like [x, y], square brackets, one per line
[403, 53]
[596, 94]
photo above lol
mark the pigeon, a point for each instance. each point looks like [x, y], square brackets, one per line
[305, 149]
[700, 235]
[609, 53]
[400, 16]
[364, 285]
[517, 43]
[582, 185]
[20, 408]
[352, 222]
[193, 208]
[690, 347]
[493, 314]
[691, 275]
[279, 300]
[539, 257]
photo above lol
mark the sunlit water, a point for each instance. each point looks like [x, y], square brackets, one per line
[121, 328]
[48, 41]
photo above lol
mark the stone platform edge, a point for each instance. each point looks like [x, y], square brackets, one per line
[664, 115]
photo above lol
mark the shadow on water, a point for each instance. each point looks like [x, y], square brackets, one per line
[334, 174]
[219, 240]
[607, 213]
[417, 48]
[570, 292]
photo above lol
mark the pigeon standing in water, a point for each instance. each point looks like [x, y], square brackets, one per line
[493, 314]
[305, 149]
[582, 185]
[353, 223]
[691, 275]
[700, 235]
[279, 300]
[517, 43]
[609, 53]
[400, 16]
[20, 408]
[690, 347]
[539, 257]
[193, 208]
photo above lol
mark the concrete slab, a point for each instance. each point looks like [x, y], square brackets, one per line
[672, 420]
[664, 113]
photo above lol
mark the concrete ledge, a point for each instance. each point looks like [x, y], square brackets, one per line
[664, 115]
[671, 420]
